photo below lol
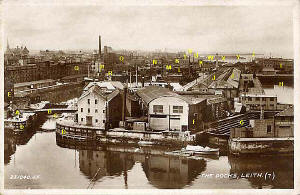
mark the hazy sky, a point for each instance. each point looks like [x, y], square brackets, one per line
[204, 29]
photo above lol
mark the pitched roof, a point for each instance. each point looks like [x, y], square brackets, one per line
[97, 91]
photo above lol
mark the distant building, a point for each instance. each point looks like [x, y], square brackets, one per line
[259, 101]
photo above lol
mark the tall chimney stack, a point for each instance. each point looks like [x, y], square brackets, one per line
[99, 46]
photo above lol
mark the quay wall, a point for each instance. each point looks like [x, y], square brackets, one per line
[120, 135]
[261, 146]
[54, 94]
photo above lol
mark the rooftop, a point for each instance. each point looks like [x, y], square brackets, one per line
[287, 112]
[33, 82]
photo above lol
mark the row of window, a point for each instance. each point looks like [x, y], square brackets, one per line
[89, 101]
[258, 98]
[160, 109]
[89, 110]
[96, 120]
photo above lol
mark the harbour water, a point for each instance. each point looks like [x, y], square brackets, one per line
[52, 166]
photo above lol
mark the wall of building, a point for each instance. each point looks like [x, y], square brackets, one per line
[168, 119]
[100, 107]
[261, 126]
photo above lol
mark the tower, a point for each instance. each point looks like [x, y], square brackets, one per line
[99, 46]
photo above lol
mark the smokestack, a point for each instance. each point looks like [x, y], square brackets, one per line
[99, 46]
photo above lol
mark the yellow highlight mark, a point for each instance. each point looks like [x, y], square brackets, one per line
[223, 57]
[121, 58]
[154, 62]
[21, 126]
[178, 69]
[238, 56]
[253, 54]
[9, 94]
[49, 111]
[196, 56]
[109, 72]
[214, 77]
[210, 57]
[168, 67]
[241, 122]
[280, 83]
[190, 51]
[76, 68]
[17, 112]
[176, 61]
[193, 121]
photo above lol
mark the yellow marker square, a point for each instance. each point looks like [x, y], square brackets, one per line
[238, 56]
[176, 61]
[154, 62]
[76, 67]
[223, 57]
[17, 112]
[109, 72]
[190, 51]
[168, 67]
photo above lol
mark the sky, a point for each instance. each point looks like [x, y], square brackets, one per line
[222, 29]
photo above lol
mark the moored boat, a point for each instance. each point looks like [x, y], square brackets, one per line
[199, 150]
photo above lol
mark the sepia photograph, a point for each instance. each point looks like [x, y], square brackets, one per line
[148, 97]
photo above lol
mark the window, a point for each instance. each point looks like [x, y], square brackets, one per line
[269, 129]
[96, 110]
[81, 109]
[103, 121]
[103, 111]
[89, 110]
[96, 101]
[158, 108]
[81, 119]
[89, 101]
[271, 99]
[250, 99]
[96, 120]
[177, 109]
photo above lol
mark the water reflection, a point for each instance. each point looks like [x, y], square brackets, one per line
[285, 94]
[282, 167]
[116, 166]
[97, 164]
[172, 172]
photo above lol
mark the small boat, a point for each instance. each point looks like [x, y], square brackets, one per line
[199, 150]
[145, 143]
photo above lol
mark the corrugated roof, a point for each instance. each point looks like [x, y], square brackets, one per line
[152, 92]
